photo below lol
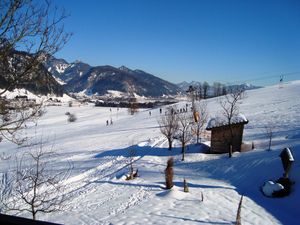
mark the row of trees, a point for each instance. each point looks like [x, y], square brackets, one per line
[184, 126]
[204, 90]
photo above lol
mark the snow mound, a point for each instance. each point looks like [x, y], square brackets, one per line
[270, 187]
[174, 193]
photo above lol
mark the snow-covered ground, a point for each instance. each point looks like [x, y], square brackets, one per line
[99, 194]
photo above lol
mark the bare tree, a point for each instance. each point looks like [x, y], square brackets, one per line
[269, 130]
[192, 94]
[133, 106]
[168, 125]
[200, 118]
[217, 88]
[224, 89]
[14, 116]
[205, 87]
[230, 109]
[29, 32]
[35, 187]
[199, 91]
[184, 132]
[131, 156]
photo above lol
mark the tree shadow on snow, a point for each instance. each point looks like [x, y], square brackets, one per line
[152, 151]
[191, 185]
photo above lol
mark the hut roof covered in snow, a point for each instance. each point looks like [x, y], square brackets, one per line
[222, 121]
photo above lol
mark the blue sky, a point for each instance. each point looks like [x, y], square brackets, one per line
[227, 41]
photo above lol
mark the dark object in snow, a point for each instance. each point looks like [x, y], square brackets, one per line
[287, 160]
[202, 197]
[185, 186]
[72, 118]
[287, 184]
[15, 220]
[132, 175]
[169, 173]
[280, 188]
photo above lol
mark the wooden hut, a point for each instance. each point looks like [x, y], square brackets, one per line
[222, 134]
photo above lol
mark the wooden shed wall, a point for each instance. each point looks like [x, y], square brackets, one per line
[220, 137]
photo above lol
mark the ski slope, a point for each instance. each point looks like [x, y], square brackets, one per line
[99, 193]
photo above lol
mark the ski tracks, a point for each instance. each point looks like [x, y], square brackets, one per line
[98, 190]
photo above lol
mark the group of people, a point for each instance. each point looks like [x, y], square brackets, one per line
[160, 111]
[109, 123]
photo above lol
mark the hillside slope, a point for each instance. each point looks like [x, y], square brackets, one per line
[99, 193]
[38, 81]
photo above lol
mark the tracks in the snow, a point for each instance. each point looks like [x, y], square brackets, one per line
[97, 189]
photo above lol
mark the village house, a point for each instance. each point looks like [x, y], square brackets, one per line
[222, 134]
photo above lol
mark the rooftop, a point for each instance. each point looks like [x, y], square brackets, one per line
[223, 121]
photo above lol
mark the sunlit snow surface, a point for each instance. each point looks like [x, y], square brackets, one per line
[99, 194]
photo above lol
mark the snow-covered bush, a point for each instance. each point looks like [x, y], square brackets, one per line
[72, 118]
[169, 173]
[269, 188]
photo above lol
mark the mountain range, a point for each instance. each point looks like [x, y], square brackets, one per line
[81, 77]
[58, 76]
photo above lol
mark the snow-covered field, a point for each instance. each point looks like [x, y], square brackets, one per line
[99, 194]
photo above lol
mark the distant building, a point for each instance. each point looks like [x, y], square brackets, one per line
[21, 97]
[221, 134]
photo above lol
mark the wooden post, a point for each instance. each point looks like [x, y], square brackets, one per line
[287, 160]
[238, 215]
[185, 186]
[230, 151]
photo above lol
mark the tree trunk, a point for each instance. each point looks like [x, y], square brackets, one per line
[170, 145]
[230, 151]
[270, 142]
[33, 213]
[183, 152]
[131, 171]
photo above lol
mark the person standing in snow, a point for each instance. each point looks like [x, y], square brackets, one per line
[106, 122]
